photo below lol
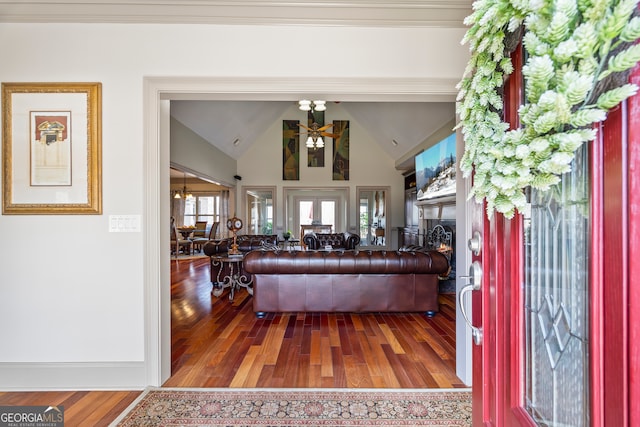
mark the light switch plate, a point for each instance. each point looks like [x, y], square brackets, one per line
[124, 223]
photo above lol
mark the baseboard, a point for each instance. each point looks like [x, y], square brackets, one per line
[72, 376]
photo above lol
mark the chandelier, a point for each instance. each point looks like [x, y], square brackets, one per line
[184, 193]
[306, 105]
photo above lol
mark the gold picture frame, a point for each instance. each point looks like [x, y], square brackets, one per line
[52, 148]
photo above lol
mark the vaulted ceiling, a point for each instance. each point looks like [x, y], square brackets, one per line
[224, 122]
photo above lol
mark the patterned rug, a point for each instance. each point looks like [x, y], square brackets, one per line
[172, 407]
[194, 256]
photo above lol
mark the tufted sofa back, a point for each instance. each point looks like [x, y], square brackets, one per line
[346, 240]
[246, 243]
[345, 262]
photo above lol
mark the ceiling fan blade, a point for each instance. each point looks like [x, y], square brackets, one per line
[330, 135]
[325, 127]
[306, 127]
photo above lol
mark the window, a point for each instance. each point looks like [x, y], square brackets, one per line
[202, 208]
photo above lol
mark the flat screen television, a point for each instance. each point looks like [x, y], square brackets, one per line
[436, 170]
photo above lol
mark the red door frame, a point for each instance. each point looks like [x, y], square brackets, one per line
[616, 352]
[501, 257]
[633, 251]
[615, 304]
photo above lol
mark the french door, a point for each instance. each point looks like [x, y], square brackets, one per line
[322, 210]
[556, 320]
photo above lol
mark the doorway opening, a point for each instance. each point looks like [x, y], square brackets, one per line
[158, 94]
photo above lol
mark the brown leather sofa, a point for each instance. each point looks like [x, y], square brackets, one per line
[344, 240]
[345, 281]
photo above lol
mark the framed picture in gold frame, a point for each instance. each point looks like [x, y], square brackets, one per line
[52, 148]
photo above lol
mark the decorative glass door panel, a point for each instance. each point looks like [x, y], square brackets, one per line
[259, 205]
[305, 212]
[556, 301]
[317, 211]
[328, 212]
[364, 222]
[372, 215]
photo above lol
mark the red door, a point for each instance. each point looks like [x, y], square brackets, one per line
[557, 320]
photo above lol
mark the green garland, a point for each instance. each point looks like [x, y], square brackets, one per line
[575, 51]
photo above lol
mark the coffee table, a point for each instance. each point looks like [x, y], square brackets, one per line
[235, 279]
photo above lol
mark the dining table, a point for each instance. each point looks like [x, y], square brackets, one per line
[186, 231]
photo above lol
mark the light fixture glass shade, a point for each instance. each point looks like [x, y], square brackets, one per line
[319, 142]
[177, 195]
[309, 142]
[319, 105]
[304, 105]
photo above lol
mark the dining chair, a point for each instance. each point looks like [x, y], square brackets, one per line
[199, 230]
[200, 241]
[177, 242]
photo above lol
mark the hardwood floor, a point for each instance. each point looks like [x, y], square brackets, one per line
[220, 343]
[81, 408]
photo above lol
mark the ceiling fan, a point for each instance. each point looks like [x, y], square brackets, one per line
[316, 133]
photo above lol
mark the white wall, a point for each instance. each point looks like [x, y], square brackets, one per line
[72, 295]
[192, 152]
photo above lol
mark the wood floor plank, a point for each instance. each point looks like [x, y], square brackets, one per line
[315, 376]
[326, 362]
[357, 323]
[339, 375]
[357, 373]
[391, 339]
[291, 364]
[255, 370]
[334, 333]
[315, 356]
[283, 358]
[303, 371]
[385, 367]
[241, 375]
[272, 343]
[356, 346]
[267, 378]
[110, 406]
[397, 367]
[368, 354]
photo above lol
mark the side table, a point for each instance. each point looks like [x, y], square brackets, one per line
[234, 279]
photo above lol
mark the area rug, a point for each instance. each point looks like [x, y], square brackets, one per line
[172, 407]
[189, 257]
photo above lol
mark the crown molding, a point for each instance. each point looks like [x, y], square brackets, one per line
[360, 89]
[389, 13]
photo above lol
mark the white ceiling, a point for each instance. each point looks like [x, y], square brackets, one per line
[222, 122]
